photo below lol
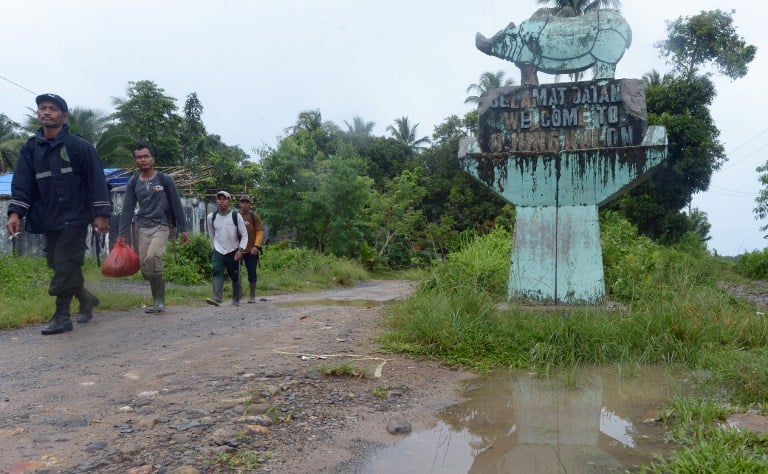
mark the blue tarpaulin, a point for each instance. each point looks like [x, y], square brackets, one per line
[116, 177]
[5, 184]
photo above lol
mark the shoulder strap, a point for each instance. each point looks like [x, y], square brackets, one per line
[164, 181]
[234, 220]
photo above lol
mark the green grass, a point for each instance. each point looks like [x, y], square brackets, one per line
[343, 369]
[380, 392]
[241, 461]
[24, 288]
[673, 314]
[24, 298]
[705, 444]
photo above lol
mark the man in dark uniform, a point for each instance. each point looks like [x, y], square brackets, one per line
[59, 186]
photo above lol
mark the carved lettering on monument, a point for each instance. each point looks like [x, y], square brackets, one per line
[555, 118]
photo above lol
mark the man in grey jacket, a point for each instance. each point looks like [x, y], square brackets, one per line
[159, 212]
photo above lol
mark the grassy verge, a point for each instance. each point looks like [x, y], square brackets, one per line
[670, 311]
[24, 282]
[706, 444]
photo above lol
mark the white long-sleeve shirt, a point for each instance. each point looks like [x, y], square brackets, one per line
[223, 233]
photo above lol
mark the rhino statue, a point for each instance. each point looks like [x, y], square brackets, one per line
[560, 45]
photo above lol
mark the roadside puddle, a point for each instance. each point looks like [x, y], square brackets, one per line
[580, 421]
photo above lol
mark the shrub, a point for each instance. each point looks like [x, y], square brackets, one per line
[294, 268]
[188, 264]
[753, 264]
[482, 265]
[636, 268]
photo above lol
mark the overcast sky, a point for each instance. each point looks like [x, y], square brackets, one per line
[257, 64]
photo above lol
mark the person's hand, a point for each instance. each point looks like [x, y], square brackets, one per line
[254, 250]
[13, 225]
[184, 237]
[101, 224]
[238, 254]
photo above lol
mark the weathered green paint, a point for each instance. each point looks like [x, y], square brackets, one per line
[557, 256]
[562, 45]
[582, 177]
[558, 151]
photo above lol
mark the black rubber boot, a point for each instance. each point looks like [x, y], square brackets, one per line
[87, 302]
[218, 288]
[237, 290]
[252, 292]
[61, 320]
[157, 284]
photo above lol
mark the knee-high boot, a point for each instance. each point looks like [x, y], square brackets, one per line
[237, 290]
[218, 288]
[157, 284]
[252, 292]
[61, 320]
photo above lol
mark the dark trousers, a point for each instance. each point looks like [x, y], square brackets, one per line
[251, 262]
[65, 254]
[219, 262]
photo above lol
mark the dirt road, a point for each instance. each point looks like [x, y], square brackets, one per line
[203, 389]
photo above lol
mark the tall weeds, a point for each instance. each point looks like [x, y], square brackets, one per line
[672, 312]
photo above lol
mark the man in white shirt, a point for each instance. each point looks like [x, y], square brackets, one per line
[228, 241]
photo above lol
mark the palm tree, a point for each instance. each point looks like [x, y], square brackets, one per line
[404, 132]
[309, 120]
[488, 82]
[569, 8]
[652, 78]
[699, 224]
[11, 140]
[113, 146]
[359, 126]
[359, 131]
[87, 123]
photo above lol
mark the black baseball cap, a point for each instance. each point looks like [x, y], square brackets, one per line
[56, 99]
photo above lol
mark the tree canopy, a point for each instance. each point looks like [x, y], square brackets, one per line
[149, 116]
[11, 139]
[707, 38]
[680, 101]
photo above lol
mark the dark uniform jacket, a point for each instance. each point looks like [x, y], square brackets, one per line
[58, 183]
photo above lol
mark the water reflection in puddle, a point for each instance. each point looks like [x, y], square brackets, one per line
[590, 421]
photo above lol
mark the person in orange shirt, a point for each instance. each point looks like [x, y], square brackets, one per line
[252, 250]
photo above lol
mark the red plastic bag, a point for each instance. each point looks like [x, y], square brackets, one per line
[122, 261]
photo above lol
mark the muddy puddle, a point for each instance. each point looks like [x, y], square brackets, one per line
[582, 421]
